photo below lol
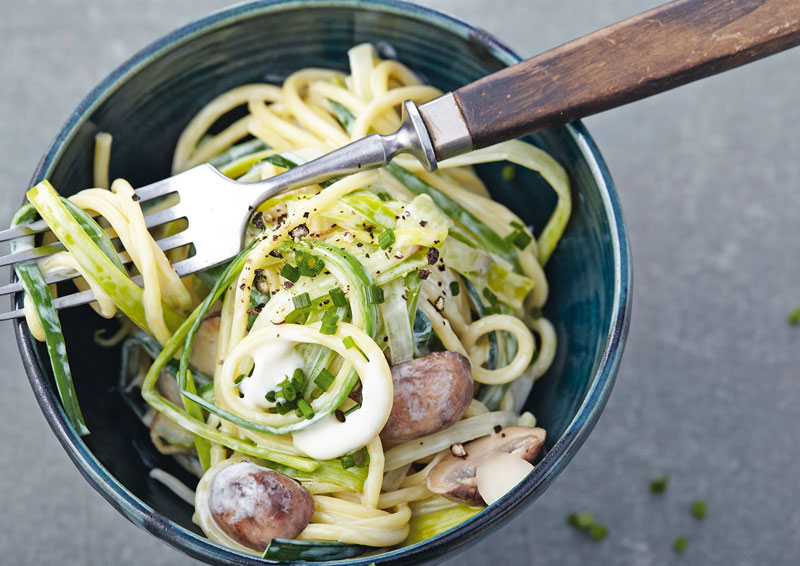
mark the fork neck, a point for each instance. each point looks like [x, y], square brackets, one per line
[370, 152]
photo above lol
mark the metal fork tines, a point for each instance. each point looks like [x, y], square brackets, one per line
[166, 244]
[184, 267]
[217, 208]
[191, 235]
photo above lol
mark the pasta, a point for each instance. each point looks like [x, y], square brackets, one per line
[296, 356]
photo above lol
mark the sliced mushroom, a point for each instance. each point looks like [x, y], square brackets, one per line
[430, 394]
[204, 351]
[455, 477]
[167, 386]
[253, 505]
[169, 437]
[499, 474]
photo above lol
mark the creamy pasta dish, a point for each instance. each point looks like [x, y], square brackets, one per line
[355, 378]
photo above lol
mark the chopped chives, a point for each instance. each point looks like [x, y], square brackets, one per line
[324, 379]
[508, 173]
[699, 509]
[582, 520]
[289, 392]
[361, 458]
[794, 316]
[386, 238]
[297, 377]
[348, 342]
[519, 238]
[352, 409]
[658, 484]
[302, 301]
[309, 265]
[329, 323]
[384, 196]
[338, 298]
[536, 313]
[283, 408]
[490, 296]
[680, 544]
[296, 316]
[288, 271]
[455, 288]
[598, 531]
[239, 378]
[270, 396]
[375, 295]
[305, 408]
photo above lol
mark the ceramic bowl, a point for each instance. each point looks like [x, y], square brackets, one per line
[148, 100]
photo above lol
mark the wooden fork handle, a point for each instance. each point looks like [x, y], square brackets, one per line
[655, 51]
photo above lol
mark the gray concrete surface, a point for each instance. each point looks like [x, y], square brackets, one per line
[710, 182]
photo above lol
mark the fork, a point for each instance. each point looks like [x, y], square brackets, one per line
[663, 48]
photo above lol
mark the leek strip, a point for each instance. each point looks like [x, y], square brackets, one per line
[153, 349]
[344, 267]
[328, 471]
[371, 207]
[412, 263]
[236, 152]
[403, 495]
[124, 292]
[489, 239]
[284, 550]
[494, 350]
[427, 525]
[199, 427]
[93, 230]
[343, 115]
[337, 398]
[202, 445]
[396, 322]
[349, 269]
[238, 168]
[39, 293]
[463, 431]
[412, 283]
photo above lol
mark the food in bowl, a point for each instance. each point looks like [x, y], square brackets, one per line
[354, 378]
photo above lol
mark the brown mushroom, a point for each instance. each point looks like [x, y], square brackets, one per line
[204, 351]
[167, 386]
[455, 477]
[253, 505]
[430, 394]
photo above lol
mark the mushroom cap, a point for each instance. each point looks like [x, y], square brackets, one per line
[455, 477]
[254, 505]
[167, 386]
[430, 394]
[204, 351]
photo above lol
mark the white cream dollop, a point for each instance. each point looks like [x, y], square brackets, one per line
[269, 347]
[330, 438]
[274, 361]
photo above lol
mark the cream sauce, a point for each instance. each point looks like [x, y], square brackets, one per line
[274, 361]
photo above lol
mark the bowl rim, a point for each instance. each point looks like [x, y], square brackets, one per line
[136, 511]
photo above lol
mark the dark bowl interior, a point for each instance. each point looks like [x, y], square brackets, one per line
[145, 105]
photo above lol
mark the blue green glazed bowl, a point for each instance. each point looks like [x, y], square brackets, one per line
[148, 100]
